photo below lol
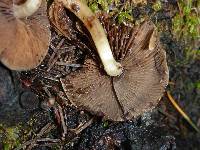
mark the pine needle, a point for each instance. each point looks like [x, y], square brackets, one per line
[180, 110]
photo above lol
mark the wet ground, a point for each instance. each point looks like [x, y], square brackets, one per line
[35, 113]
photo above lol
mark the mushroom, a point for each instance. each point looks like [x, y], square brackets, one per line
[137, 90]
[143, 75]
[96, 30]
[25, 34]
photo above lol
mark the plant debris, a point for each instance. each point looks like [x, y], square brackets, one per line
[161, 128]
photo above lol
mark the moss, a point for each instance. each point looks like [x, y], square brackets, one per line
[113, 7]
[98, 5]
[157, 6]
[94, 7]
[186, 27]
[10, 137]
[192, 54]
[124, 16]
[197, 85]
[105, 124]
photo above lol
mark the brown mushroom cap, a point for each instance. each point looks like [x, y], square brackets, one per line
[137, 90]
[23, 42]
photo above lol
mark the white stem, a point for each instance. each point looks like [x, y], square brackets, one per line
[26, 9]
[97, 32]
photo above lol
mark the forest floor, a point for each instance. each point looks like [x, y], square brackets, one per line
[36, 115]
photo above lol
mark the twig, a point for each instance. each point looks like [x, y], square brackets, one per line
[81, 127]
[51, 78]
[54, 58]
[47, 91]
[49, 140]
[47, 128]
[62, 121]
[185, 116]
[69, 64]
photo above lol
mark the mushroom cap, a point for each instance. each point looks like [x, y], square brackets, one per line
[23, 42]
[137, 90]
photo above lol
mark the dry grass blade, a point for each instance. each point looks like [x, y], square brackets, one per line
[180, 110]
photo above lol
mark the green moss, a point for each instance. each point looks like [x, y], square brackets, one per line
[113, 8]
[124, 16]
[98, 5]
[186, 29]
[197, 85]
[192, 54]
[94, 7]
[157, 6]
[105, 124]
[10, 137]
[186, 22]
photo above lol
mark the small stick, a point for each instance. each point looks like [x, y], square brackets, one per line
[53, 59]
[185, 116]
[62, 121]
[48, 140]
[81, 127]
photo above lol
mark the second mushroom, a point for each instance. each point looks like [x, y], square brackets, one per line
[25, 33]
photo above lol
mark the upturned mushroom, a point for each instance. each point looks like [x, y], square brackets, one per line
[142, 77]
[25, 34]
[137, 90]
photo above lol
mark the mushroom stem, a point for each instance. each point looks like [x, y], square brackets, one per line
[83, 12]
[26, 9]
